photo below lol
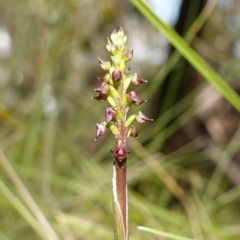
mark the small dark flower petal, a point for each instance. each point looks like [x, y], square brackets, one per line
[116, 75]
[133, 131]
[137, 80]
[105, 78]
[127, 70]
[120, 153]
[100, 130]
[109, 114]
[128, 55]
[104, 88]
[100, 97]
[141, 118]
[134, 99]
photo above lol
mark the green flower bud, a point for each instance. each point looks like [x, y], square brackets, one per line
[120, 33]
[119, 43]
[114, 36]
[108, 45]
[125, 39]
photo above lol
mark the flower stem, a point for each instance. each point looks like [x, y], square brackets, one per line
[119, 182]
[120, 199]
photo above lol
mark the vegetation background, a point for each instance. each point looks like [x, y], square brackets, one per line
[184, 168]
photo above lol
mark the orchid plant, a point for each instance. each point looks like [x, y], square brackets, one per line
[114, 89]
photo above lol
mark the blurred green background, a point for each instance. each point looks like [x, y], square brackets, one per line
[184, 168]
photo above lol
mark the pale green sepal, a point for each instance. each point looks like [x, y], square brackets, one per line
[129, 132]
[118, 114]
[111, 126]
[111, 101]
[114, 92]
[130, 120]
[126, 83]
[122, 64]
[125, 100]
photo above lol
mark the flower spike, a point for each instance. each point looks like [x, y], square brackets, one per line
[114, 88]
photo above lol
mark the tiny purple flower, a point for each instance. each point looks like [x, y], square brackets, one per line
[120, 153]
[104, 88]
[109, 114]
[134, 131]
[116, 75]
[137, 80]
[134, 99]
[141, 118]
[100, 130]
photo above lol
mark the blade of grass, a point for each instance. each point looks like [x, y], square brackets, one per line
[24, 212]
[27, 196]
[164, 234]
[201, 66]
[222, 163]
